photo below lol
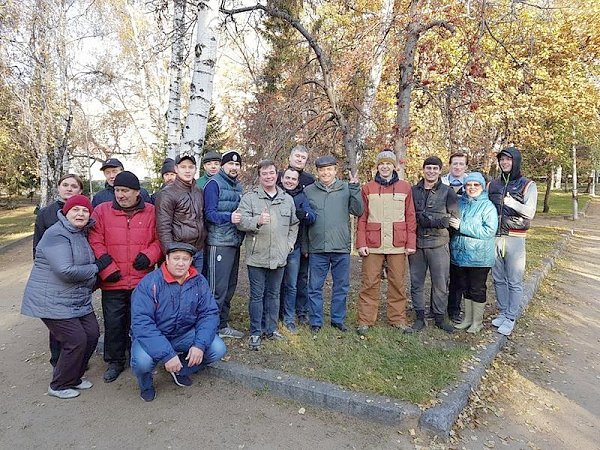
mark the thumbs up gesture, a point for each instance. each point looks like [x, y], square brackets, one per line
[264, 217]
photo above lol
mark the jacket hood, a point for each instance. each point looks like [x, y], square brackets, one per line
[515, 154]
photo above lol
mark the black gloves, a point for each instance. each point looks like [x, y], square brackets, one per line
[424, 220]
[103, 262]
[300, 213]
[113, 277]
[141, 262]
[428, 222]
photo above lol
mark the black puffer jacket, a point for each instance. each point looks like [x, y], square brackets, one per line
[46, 217]
[433, 211]
[180, 215]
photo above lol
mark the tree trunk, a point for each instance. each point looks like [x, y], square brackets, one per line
[177, 57]
[548, 190]
[205, 59]
[574, 190]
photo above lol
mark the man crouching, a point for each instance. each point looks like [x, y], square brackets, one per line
[173, 312]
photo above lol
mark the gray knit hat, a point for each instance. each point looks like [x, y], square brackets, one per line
[387, 156]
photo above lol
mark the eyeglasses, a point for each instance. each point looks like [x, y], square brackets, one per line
[473, 185]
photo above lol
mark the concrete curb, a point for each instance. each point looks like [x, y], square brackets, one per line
[310, 392]
[438, 420]
[6, 247]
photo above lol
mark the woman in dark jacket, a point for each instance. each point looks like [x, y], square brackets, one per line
[59, 291]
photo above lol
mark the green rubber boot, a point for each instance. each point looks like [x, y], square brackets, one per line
[468, 318]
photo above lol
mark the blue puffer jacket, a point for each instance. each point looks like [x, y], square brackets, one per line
[63, 276]
[474, 243]
[162, 309]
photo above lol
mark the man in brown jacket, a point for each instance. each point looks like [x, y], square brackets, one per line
[385, 231]
[180, 210]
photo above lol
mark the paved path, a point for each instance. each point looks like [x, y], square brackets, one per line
[548, 377]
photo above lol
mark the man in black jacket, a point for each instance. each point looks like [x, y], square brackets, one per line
[111, 168]
[435, 203]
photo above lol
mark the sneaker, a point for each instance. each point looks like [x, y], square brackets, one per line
[498, 321]
[85, 384]
[229, 332]
[456, 317]
[291, 327]
[340, 326]
[254, 343]
[315, 328]
[63, 393]
[181, 380]
[148, 394]
[112, 373]
[276, 336]
[362, 330]
[506, 327]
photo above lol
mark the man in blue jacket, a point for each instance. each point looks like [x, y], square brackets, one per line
[174, 320]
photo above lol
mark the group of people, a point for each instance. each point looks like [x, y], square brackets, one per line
[167, 264]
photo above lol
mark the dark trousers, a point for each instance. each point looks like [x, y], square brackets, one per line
[263, 306]
[78, 338]
[437, 262]
[54, 349]
[222, 275]
[455, 291]
[116, 308]
[472, 281]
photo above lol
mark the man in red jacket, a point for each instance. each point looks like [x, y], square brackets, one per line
[126, 231]
[385, 232]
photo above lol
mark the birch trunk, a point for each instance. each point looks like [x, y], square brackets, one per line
[177, 57]
[364, 122]
[201, 87]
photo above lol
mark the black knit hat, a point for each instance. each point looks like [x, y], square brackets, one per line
[433, 161]
[168, 166]
[128, 180]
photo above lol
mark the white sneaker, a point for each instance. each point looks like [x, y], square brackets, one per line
[85, 384]
[506, 327]
[498, 321]
[229, 332]
[63, 393]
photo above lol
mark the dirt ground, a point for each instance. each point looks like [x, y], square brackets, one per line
[542, 392]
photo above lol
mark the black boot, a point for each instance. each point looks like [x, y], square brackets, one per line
[443, 324]
[419, 323]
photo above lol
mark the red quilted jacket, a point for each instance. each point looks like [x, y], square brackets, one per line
[123, 237]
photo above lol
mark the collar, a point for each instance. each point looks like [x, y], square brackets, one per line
[192, 272]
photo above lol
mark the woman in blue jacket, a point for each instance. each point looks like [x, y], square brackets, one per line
[472, 248]
[59, 291]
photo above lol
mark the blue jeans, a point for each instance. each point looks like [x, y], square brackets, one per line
[302, 288]
[508, 274]
[320, 264]
[264, 299]
[143, 365]
[198, 261]
[289, 287]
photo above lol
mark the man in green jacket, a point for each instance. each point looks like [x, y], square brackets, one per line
[211, 163]
[329, 240]
[271, 226]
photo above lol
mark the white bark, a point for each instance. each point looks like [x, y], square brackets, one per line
[201, 87]
[177, 56]
[364, 121]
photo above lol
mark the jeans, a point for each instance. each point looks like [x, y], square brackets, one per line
[302, 288]
[437, 261]
[143, 365]
[116, 309]
[264, 299]
[78, 338]
[289, 286]
[320, 264]
[198, 261]
[508, 274]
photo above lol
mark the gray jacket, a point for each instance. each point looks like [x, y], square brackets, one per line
[333, 205]
[64, 274]
[268, 245]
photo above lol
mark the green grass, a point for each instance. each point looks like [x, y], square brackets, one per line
[540, 242]
[561, 203]
[16, 223]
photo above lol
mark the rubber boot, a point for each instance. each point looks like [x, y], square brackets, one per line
[477, 325]
[468, 318]
[419, 323]
[443, 324]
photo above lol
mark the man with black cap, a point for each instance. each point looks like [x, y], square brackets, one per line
[222, 196]
[111, 168]
[434, 203]
[167, 172]
[180, 210]
[211, 163]
[515, 198]
[126, 231]
[329, 240]
[161, 334]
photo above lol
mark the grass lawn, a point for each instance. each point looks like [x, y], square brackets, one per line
[561, 203]
[16, 223]
[540, 242]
